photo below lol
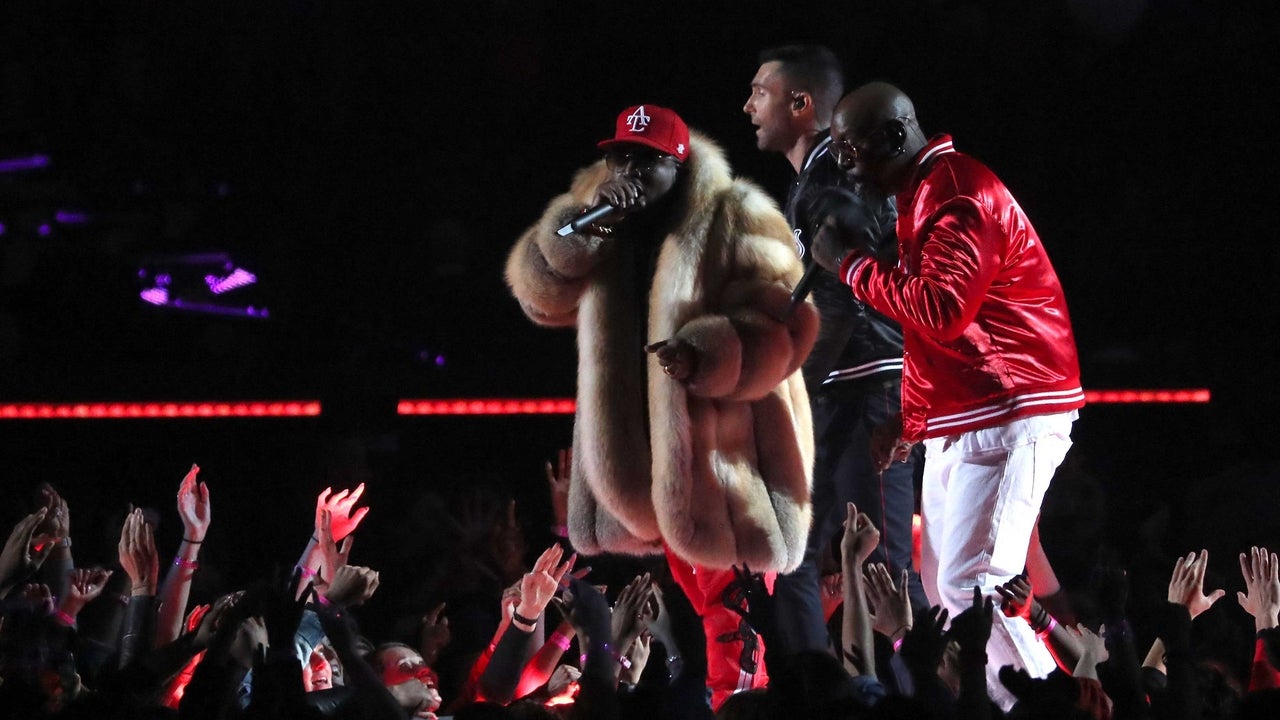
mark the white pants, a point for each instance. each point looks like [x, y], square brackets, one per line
[980, 500]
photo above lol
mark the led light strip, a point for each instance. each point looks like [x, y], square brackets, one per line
[132, 410]
[565, 406]
[487, 406]
[1103, 397]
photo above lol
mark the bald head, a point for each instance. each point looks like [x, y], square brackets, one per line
[875, 104]
[876, 127]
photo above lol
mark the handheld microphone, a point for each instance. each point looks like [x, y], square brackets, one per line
[582, 221]
[803, 287]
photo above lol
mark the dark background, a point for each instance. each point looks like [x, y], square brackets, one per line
[373, 162]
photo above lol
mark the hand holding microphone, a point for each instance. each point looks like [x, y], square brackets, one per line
[615, 199]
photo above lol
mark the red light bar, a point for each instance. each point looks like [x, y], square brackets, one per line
[125, 411]
[487, 406]
[1197, 395]
[565, 406]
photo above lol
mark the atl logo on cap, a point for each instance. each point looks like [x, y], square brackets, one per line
[638, 121]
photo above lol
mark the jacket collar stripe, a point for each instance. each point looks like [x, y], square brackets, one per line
[818, 151]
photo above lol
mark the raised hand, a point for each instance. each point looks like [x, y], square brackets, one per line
[1016, 599]
[85, 586]
[638, 655]
[1186, 586]
[924, 643]
[632, 612]
[137, 553]
[39, 597]
[193, 506]
[540, 584]
[562, 686]
[351, 585]
[56, 524]
[434, 634]
[972, 628]
[342, 521]
[1261, 599]
[332, 556]
[18, 560]
[860, 538]
[211, 620]
[892, 602]
[558, 479]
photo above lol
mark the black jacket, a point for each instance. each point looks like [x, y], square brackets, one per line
[854, 341]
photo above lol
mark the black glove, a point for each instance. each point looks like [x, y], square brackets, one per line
[843, 223]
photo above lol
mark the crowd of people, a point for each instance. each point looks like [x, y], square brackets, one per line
[124, 640]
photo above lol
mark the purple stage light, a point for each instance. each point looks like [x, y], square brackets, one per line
[237, 279]
[2, 228]
[440, 361]
[71, 217]
[19, 164]
[155, 296]
[44, 230]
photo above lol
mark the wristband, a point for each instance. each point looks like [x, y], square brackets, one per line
[64, 542]
[183, 563]
[306, 572]
[897, 644]
[561, 531]
[65, 618]
[517, 617]
[623, 660]
[1042, 634]
[189, 541]
[560, 640]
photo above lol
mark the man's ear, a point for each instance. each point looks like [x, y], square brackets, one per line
[800, 101]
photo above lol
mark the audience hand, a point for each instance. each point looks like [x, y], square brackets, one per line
[85, 586]
[1186, 586]
[18, 559]
[540, 584]
[971, 629]
[433, 634]
[342, 521]
[924, 643]
[638, 655]
[631, 612]
[891, 603]
[558, 477]
[351, 585]
[56, 524]
[1261, 599]
[860, 538]
[193, 506]
[562, 686]
[137, 553]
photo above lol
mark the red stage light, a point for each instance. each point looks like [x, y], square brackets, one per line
[487, 406]
[1181, 396]
[117, 410]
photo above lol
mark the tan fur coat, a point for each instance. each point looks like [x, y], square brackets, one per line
[718, 467]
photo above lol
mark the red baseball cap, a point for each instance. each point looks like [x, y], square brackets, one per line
[657, 127]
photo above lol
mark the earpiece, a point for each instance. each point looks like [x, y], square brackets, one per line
[799, 102]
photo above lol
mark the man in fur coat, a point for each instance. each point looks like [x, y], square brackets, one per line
[693, 435]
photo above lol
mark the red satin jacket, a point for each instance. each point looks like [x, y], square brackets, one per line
[987, 339]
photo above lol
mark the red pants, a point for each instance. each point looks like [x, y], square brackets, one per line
[731, 644]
